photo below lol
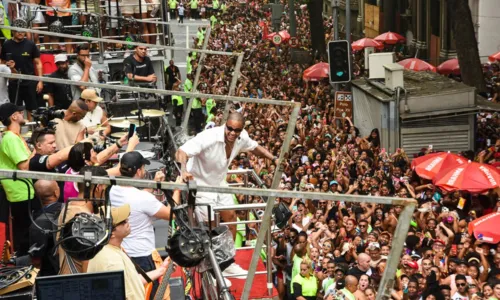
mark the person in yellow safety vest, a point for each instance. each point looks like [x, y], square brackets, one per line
[305, 284]
[188, 83]
[213, 20]
[178, 105]
[223, 7]
[4, 19]
[197, 111]
[172, 8]
[200, 34]
[300, 254]
[215, 5]
[194, 9]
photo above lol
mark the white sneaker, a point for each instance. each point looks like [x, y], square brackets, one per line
[226, 281]
[235, 271]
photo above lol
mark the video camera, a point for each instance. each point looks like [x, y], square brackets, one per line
[44, 115]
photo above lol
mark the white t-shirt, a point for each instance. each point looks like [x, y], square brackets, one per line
[4, 92]
[207, 154]
[457, 296]
[92, 118]
[143, 206]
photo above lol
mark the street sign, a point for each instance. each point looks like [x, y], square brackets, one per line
[294, 42]
[343, 105]
[277, 39]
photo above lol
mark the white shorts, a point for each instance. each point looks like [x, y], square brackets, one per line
[130, 7]
[212, 199]
[112, 12]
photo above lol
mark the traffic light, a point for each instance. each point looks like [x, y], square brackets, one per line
[339, 59]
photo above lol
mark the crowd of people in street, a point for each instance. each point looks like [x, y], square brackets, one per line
[333, 248]
[328, 249]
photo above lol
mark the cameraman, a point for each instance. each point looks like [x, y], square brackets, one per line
[59, 94]
[70, 130]
[46, 159]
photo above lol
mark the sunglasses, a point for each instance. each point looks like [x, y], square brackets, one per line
[237, 130]
[362, 226]
[461, 284]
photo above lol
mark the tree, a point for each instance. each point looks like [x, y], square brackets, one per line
[315, 8]
[466, 44]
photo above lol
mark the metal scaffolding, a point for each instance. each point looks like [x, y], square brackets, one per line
[106, 40]
[400, 234]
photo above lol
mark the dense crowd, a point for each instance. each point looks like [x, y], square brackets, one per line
[328, 248]
[332, 248]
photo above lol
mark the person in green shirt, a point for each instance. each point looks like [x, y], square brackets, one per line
[172, 8]
[15, 155]
[178, 105]
[194, 9]
[200, 34]
[188, 83]
[305, 284]
[213, 20]
[197, 111]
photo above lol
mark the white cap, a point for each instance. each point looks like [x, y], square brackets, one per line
[60, 58]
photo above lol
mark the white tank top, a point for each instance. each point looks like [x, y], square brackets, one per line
[92, 118]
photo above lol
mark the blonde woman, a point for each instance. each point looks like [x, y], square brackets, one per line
[305, 284]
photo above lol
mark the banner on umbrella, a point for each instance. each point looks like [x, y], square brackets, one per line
[343, 105]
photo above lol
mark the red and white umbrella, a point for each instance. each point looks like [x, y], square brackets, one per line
[416, 64]
[390, 38]
[486, 228]
[450, 66]
[472, 177]
[316, 72]
[365, 43]
[428, 166]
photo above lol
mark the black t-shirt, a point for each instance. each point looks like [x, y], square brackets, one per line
[22, 54]
[172, 72]
[50, 262]
[61, 92]
[144, 68]
[38, 163]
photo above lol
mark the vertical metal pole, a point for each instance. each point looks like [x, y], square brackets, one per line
[185, 122]
[217, 218]
[348, 20]
[293, 21]
[246, 185]
[269, 263]
[266, 219]
[232, 87]
[187, 36]
[387, 282]
[335, 12]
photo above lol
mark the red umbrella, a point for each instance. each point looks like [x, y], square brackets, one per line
[316, 72]
[486, 228]
[494, 57]
[473, 177]
[428, 166]
[366, 42]
[390, 38]
[450, 66]
[416, 64]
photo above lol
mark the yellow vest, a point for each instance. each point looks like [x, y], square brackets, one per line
[180, 102]
[309, 285]
[6, 32]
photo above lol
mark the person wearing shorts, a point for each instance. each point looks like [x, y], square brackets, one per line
[64, 17]
[130, 8]
[153, 12]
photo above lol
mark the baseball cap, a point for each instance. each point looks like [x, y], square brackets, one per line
[120, 213]
[8, 109]
[60, 58]
[90, 94]
[333, 182]
[373, 246]
[133, 161]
